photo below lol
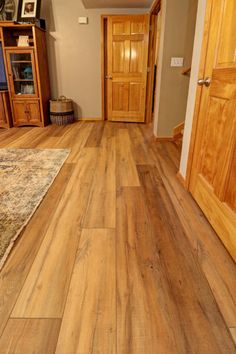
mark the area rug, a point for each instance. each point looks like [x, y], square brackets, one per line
[25, 177]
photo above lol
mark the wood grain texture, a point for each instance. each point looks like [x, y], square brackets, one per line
[201, 236]
[31, 336]
[33, 138]
[10, 135]
[142, 154]
[45, 289]
[226, 52]
[5, 110]
[102, 201]
[143, 321]
[201, 74]
[75, 137]
[127, 58]
[95, 136]
[159, 281]
[184, 275]
[218, 213]
[214, 147]
[27, 246]
[89, 322]
[127, 175]
[230, 195]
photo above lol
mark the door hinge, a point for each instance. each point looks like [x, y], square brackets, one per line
[148, 69]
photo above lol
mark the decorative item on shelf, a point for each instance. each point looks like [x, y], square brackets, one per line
[7, 10]
[23, 41]
[61, 111]
[27, 89]
[28, 10]
[28, 73]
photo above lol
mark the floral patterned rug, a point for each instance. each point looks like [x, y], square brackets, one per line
[25, 177]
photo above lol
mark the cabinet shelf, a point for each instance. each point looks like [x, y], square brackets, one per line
[24, 80]
[19, 48]
[21, 61]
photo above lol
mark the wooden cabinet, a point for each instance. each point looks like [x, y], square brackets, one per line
[21, 73]
[27, 74]
[26, 112]
[5, 110]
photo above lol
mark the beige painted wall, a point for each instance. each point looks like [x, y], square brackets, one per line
[74, 53]
[179, 18]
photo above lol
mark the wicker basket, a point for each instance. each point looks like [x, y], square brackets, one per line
[61, 111]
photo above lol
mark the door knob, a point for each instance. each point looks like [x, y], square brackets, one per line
[109, 77]
[204, 82]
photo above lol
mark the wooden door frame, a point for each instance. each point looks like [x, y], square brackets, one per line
[104, 19]
[191, 164]
[154, 12]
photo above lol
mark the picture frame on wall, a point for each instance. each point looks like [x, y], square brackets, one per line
[28, 10]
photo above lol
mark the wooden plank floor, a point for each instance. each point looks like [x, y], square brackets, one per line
[118, 258]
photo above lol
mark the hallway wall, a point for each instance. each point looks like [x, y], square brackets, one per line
[74, 53]
[178, 30]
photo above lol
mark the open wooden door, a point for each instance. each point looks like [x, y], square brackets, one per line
[127, 67]
[153, 53]
[213, 176]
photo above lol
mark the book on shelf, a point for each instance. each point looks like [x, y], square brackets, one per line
[15, 73]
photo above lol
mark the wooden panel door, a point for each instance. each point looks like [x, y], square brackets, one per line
[20, 116]
[127, 67]
[26, 112]
[33, 108]
[213, 177]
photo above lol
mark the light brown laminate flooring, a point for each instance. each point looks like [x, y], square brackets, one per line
[118, 258]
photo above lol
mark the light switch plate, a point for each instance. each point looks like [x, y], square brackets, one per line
[83, 20]
[177, 62]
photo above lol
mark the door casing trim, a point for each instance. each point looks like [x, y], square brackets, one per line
[154, 11]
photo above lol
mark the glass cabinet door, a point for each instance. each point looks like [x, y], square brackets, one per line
[22, 73]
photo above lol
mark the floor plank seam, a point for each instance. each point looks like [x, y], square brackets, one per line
[35, 318]
[162, 291]
[33, 260]
[75, 260]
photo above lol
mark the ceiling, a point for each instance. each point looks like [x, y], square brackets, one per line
[96, 4]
